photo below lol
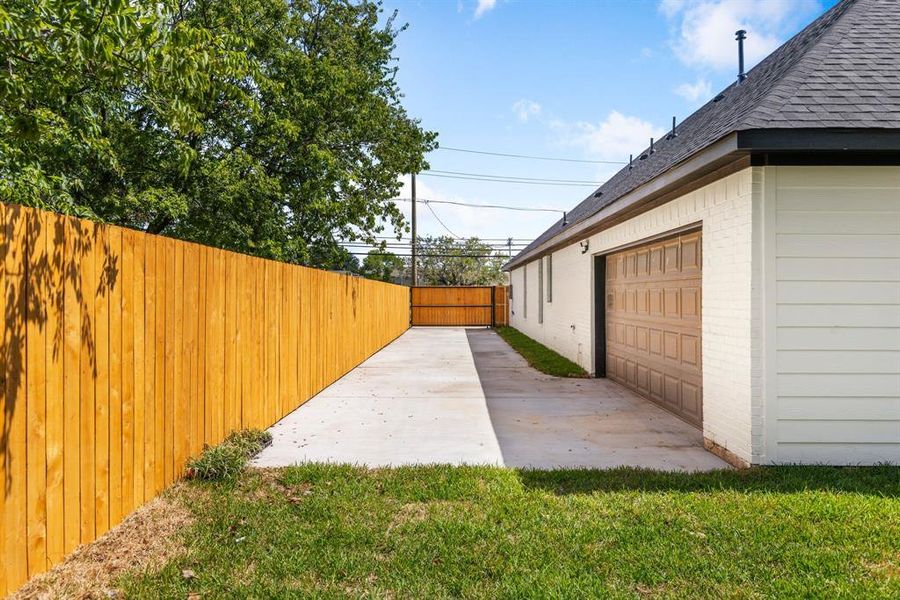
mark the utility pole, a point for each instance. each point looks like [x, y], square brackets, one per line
[509, 245]
[414, 270]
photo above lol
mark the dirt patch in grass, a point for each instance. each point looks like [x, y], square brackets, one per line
[416, 512]
[266, 484]
[888, 569]
[146, 539]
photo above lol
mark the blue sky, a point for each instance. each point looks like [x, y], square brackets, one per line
[577, 79]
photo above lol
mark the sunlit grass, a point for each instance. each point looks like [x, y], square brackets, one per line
[478, 532]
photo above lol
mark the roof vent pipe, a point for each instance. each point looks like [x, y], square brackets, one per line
[652, 150]
[740, 35]
[630, 160]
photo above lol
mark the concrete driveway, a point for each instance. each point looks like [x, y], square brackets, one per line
[463, 396]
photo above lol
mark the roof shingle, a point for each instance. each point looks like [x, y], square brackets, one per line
[841, 71]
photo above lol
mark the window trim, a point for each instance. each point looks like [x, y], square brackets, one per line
[550, 278]
[525, 291]
[541, 291]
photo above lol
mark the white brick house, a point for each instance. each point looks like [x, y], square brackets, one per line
[745, 274]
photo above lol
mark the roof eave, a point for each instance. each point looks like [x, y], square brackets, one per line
[713, 157]
[707, 160]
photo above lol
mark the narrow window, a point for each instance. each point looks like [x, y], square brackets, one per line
[525, 291]
[540, 290]
[549, 278]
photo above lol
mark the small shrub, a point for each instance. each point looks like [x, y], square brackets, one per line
[227, 460]
[216, 463]
[249, 441]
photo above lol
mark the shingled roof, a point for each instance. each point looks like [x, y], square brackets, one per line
[841, 72]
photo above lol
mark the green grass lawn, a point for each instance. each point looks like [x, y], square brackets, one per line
[441, 532]
[540, 356]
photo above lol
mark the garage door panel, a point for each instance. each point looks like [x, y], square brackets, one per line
[653, 322]
[690, 350]
[656, 302]
[643, 263]
[656, 261]
[670, 345]
[656, 385]
[671, 257]
[643, 339]
[690, 255]
[690, 303]
[643, 379]
[672, 307]
[643, 302]
[656, 344]
[691, 401]
[672, 392]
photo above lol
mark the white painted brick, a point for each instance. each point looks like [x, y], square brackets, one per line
[731, 356]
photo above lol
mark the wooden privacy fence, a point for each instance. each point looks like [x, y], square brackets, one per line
[459, 305]
[124, 353]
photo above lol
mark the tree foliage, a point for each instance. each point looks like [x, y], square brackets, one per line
[270, 127]
[384, 266]
[446, 261]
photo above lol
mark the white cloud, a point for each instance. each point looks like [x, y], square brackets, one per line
[694, 92]
[612, 139]
[524, 109]
[484, 6]
[703, 30]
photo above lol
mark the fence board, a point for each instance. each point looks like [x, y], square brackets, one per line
[36, 395]
[101, 389]
[115, 436]
[124, 353]
[55, 439]
[88, 378]
[13, 440]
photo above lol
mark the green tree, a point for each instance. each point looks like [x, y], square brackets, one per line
[384, 266]
[97, 97]
[263, 126]
[446, 261]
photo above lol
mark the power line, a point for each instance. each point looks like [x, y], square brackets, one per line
[514, 177]
[473, 205]
[483, 239]
[496, 246]
[419, 255]
[494, 180]
[532, 157]
[444, 225]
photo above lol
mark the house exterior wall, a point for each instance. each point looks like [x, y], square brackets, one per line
[731, 314]
[831, 282]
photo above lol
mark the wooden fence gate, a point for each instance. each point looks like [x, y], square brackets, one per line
[482, 305]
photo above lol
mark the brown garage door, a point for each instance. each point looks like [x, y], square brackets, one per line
[653, 323]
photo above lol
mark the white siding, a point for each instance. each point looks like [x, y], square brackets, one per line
[833, 289]
[731, 357]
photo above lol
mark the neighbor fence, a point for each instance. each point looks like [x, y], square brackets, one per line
[459, 305]
[124, 353]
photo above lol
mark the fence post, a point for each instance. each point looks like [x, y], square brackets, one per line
[493, 306]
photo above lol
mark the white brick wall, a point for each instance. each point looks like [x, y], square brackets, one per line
[731, 350]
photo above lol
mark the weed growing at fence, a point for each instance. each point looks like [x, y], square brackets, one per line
[228, 459]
